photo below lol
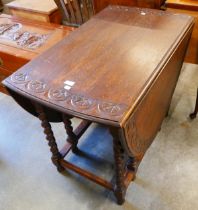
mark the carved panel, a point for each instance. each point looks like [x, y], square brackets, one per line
[26, 39]
[6, 29]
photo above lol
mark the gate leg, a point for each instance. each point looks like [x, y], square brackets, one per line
[119, 189]
[56, 156]
[73, 139]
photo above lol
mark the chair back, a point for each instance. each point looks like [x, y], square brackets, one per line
[75, 12]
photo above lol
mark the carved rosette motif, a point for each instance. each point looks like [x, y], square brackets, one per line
[72, 100]
[36, 86]
[136, 145]
[58, 94]
[110, 108]
[19, 78]
[82, 102]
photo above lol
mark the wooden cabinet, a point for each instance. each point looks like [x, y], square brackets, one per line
[22, 40]
[45, 11]
[189, 7]
[99, 5]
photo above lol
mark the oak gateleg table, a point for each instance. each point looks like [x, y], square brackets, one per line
[120, 70]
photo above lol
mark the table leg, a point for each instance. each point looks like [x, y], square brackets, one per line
[120, 189]
[194, 114]
[73, 139]
[56, 156]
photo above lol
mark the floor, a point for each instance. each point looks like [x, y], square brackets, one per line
[167, 178]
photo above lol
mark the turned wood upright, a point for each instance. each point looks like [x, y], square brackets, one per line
[120, 70]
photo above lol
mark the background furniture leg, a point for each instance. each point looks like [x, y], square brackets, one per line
[194, 114]
[56, 156]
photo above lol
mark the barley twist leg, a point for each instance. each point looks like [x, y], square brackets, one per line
[56, 156]
[120, 189]
[69, 130]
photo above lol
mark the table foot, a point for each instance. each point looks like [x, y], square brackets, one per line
[194, 114]
[167, 113]
[76, 150]
[56, 156]
[120, 198]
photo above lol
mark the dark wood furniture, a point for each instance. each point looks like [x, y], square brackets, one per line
[100, 5]
[1, 5]
[194, 114]
[75, 12]
[122, 77]
[188, 7]
[22, 40]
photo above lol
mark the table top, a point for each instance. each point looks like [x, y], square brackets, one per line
[45, 6]
[102, 70]
[15, 33]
